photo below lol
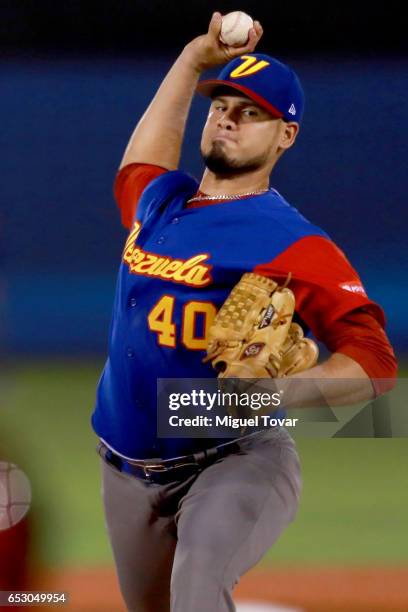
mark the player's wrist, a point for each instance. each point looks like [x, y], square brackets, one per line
[194, 57]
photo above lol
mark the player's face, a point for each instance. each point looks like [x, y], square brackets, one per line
[239, 136]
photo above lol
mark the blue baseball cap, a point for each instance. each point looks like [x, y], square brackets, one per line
[268, 82]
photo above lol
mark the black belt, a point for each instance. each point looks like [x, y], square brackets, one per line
[163, 471]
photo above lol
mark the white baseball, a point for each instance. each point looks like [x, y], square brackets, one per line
[15, 495]
[235, 28]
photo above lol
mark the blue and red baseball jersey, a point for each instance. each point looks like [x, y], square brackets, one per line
[178, 266]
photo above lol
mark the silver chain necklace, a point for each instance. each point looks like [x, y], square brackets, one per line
[224, 196]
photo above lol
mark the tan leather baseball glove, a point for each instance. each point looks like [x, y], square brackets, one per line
[253, 336]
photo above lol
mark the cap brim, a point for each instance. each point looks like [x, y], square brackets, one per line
[207, 87]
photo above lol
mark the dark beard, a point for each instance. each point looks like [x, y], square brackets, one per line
[221, 165]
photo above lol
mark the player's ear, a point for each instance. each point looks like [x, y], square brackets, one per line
[289, 132]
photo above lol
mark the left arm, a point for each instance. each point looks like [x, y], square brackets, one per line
[331, 301]
[362, 366]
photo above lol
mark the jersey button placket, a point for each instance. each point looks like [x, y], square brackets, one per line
[160, 240]
[130, 352]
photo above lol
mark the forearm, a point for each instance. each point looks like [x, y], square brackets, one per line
[339, 381]
[158, 136]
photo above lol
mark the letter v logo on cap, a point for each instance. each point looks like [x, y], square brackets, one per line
[249, 66]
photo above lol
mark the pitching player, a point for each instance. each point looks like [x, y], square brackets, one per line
[186, 517]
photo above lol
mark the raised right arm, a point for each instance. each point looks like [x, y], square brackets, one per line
[158, 137]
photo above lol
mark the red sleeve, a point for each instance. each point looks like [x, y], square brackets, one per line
[130, 182]
[359, 336]
[325, 285]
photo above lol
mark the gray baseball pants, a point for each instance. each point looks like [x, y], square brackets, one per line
[182, 547]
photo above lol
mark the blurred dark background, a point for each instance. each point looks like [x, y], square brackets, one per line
[76, 77]
[128, 25]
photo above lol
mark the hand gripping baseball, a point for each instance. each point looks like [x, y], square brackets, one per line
[253, 335]
[208, 51]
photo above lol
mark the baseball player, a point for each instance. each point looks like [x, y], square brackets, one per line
[188, 517]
